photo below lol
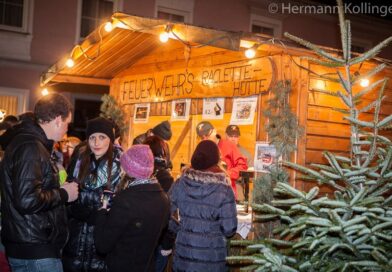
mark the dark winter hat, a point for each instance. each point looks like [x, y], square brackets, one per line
[205, 155]
[204, 128]
[100, 125]
[233, 131]
[138, 161]
[163, 130]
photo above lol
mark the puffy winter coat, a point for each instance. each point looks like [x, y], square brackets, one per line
[207, 215]
[80, 253]
[32, 207]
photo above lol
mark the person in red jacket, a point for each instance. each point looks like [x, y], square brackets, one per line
[230, 154]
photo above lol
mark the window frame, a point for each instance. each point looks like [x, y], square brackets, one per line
[264, 21]
[118, 5]
[28, 10]
[21, 94]
[177, 7]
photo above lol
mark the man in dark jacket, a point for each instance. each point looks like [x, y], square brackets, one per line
[32, 208]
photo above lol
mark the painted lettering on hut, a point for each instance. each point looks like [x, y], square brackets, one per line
[242, 78]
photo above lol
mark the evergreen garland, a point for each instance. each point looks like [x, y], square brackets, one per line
[110, 109]
[350, 230]
[283, 130]
[282, 127]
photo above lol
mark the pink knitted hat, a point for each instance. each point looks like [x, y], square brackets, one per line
[138, 161]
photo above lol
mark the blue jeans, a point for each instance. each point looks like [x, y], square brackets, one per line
[35, 265]
[160, 260]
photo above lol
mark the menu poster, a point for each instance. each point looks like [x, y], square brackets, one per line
[213, 108]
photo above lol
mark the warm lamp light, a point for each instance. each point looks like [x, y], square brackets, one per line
[120, 25]
[364, 82]
[70, 63]
[44, 92]
[108, 27]
[250, 53]
[164, 37]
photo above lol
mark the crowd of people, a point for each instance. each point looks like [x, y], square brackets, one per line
[71, 205]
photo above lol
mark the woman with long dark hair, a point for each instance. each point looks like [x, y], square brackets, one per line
[96, 167]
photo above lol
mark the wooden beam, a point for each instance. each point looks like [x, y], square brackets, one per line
[81, 80]
[187, 33]
[180, 139]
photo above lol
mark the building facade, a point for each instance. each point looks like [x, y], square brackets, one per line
[36, 33]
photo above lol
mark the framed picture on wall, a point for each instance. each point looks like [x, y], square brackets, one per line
[142, 112]
[180, 109]
[265, 156]
[243, 111]
[213, 108]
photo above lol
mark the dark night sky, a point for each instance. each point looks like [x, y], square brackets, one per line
[369, 2]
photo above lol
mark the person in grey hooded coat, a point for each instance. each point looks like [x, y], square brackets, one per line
[207, 213]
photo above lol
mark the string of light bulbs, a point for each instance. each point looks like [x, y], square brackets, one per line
[167, 33]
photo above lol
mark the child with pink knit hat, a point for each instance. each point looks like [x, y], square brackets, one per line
[139, 213]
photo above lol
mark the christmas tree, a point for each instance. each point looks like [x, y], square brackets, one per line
[350, 229]
[110, 109]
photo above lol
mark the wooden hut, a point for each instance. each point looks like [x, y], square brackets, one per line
[198, 63]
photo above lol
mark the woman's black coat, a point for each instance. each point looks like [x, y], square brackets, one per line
[129, 232]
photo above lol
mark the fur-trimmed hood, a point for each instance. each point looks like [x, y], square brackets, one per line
[204, 176]
[199, 184]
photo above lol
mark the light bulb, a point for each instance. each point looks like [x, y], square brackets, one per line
[164, 37]
[250, 53]
[108, 27]
[44, 91]
[364, 82]
[70, 63]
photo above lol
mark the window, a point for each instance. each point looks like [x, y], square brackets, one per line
[13, 101]
[265, 25]
[14, 14]
[175, 10]
[171, 16]
[94, 12]
[11, 13]
[263, 30]
[86, 107]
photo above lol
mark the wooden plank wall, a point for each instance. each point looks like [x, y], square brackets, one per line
[162, 111]
[173, 58]
[326, 129]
